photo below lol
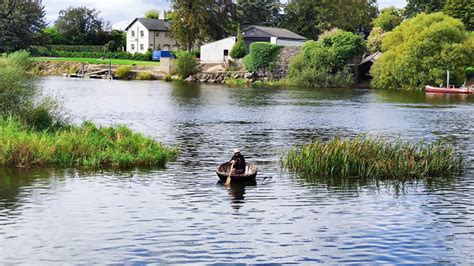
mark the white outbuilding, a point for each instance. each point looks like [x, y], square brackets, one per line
[219, 51]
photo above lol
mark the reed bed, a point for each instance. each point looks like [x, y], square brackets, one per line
[79, 146]
[374, 157]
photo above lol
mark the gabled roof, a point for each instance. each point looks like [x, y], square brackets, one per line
[152, 24]
[371, 58]
[262, 31]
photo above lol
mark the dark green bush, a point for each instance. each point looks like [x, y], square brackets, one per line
[262, 55]
[323, 63]
[111, 46]
[185, 65]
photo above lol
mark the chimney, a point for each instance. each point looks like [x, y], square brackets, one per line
[163, 14]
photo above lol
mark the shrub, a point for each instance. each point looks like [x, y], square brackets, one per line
[239, 50]
[111, 46]
[185, 65]
[168, 78]
[179, 53]
[20, 97]
[262, 55]
[144, 76]
[372, 157]
[323, 63]
[419, 51]
[83, 146]
[123, 72]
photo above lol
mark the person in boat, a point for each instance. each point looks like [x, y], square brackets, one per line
[239, 162]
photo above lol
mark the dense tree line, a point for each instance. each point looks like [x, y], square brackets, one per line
[20, 24]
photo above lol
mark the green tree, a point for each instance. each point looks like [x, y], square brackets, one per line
[153, 14]
[420, 50]
[51, 35]
[259, 12]
[414, 7]
[323, 63]
[197, 21]
[389, 18]
[461, 9]
[81, 25]
[310, 18]
[238, 51]
[374, 41]
[21, 22]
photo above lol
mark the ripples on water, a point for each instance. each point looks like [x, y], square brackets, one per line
[181, 215]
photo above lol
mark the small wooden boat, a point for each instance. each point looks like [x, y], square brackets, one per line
[451, 89]
[249, 175]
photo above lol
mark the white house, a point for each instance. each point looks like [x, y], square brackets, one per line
[218, 51]
[145, 33]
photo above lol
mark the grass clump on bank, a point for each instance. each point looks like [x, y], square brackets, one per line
[372, 157]
[79, 146]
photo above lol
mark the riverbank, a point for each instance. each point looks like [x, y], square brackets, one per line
[94, 68]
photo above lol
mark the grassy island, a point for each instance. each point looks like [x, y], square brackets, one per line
[79, 146]
[373, 157]
[33, 131]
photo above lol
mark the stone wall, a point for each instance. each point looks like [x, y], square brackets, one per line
[280, 71]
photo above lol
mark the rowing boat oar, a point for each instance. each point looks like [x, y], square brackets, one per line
[227, 182]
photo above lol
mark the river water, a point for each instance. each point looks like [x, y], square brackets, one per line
[181, 215]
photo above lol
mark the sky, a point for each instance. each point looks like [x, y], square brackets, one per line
[121, 12]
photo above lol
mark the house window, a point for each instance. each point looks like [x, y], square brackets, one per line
[133, 33]
[142, 47]
[157, 34]
[133, 46]
[142, 33]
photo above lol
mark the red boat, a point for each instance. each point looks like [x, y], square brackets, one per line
[451, 89]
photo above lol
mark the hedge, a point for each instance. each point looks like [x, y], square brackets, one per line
[45, 51]
[76, 48]
[262, 55]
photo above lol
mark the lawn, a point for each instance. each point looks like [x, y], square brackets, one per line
[98, 61]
